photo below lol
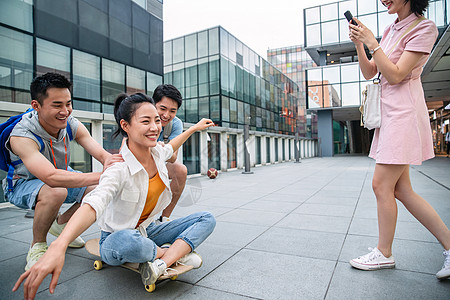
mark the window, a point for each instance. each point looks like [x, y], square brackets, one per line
[135, 80]
[16, 60]
[153, 81]
[214, 150]
[191, 154]
[52, 57]
[86, 76]
[80, 159]
[191, 47]
[17, 13]
[113, 82]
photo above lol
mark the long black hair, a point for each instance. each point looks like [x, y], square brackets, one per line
[124, 108]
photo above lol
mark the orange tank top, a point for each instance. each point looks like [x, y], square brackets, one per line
[155, 188]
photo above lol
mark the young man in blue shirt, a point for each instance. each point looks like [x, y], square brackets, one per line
[168, 99]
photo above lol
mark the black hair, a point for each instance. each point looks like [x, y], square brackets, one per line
[40, 85]
[124, 108]
[418, 6]
[169, 91]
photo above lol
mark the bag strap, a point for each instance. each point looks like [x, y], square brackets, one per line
[411, 27]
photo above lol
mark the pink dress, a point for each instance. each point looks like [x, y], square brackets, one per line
[405, 133]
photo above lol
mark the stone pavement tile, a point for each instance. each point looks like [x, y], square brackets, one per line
[338, 193]
[13, 225]
[212, 256]
[305, 192]
[236, 235]
[325, 210]
[12, 212]
[423, 257]
[271, 276]
[182, 211]
[224, 201]
[350, 283]
[272, 206]
[329, 198]
[283, 197]
[115, 283]
[10, 248]
[197, 293]
[244, 216]
[404, 230]
[305, 243]
[14, 267]
[316, 223]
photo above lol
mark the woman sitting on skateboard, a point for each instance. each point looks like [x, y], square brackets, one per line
[125, 204]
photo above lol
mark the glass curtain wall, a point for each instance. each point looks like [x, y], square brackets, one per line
[233, 87]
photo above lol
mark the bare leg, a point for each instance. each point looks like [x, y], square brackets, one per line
[64, 218]
[178, 174]
[176, 251]
[384, 181]
[421, 210]
[48, 202]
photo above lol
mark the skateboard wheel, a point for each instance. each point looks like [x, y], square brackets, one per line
[150, 288]
[98, 265]
[174, 277]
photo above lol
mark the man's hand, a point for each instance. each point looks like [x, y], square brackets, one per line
[112, 159]
[51, 262]
[203, 124]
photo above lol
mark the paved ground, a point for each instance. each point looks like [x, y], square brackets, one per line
[285, 232]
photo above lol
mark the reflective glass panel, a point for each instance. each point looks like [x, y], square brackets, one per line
[191, 154]
[313, 35]
[366, 7]
[80, 159]
[312, 15]
[190, 44]
[370, 21]
[135, 80]
[343, 31]
[314, 76]
[350, 94]
[331, 74]
[168, 53]
[113, 80]
[86, 75]
[16, 59]
[52, 57]
[17, 13]
[203, 107]
[191, 107]
[214, 108]
[330, 32]
[153, 81]
[349, 72]
[213, 35]
[231, 151]
[214, 76]
[178, 50]
[329, 12]
[214, 150]
[347, 5]
[202, 45]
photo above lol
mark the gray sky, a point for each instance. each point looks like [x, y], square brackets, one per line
[260, 24]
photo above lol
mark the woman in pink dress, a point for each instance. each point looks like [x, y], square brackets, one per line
[404, 137]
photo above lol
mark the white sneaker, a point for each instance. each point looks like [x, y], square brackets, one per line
[445, 271]
[150, 271]
[35, 253]
[56, 230]
[374, 260]
[191, 259]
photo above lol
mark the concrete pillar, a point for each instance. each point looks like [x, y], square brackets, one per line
[325, 131]
[203, 152]
[97, 134]
[240, 151]
[223, 151]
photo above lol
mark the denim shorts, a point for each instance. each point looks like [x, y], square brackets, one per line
[25, 192]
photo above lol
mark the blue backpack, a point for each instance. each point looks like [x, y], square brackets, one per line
[5, 160]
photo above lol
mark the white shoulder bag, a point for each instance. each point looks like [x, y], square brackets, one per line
[371, 102]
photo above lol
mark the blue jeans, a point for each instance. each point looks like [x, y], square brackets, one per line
[130, 246]
[26, 191]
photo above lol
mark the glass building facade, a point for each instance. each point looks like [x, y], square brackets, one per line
[293, 62]
[104, 47]
[339, 83]
[224, 80]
